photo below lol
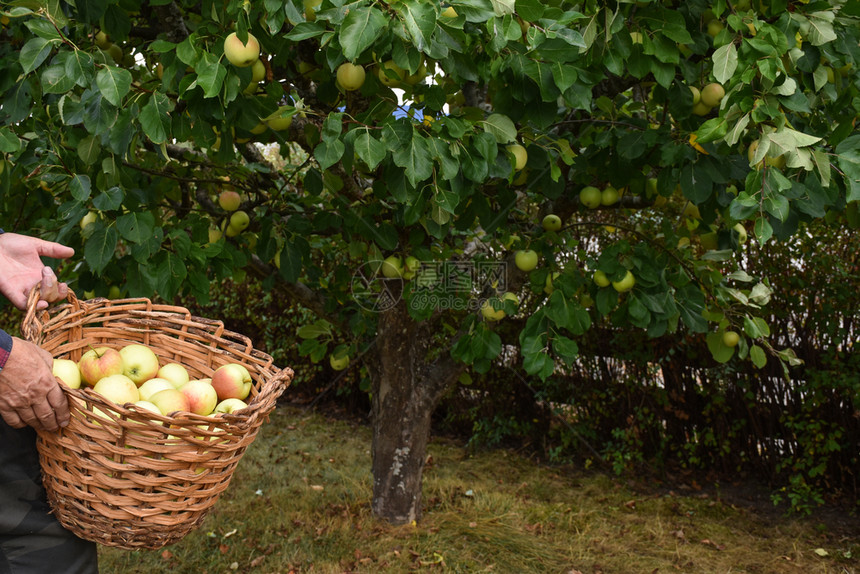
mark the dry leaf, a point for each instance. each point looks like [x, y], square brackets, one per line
[317, 487]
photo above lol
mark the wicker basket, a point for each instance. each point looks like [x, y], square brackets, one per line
[128, 477]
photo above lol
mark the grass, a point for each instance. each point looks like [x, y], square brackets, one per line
[300, 502]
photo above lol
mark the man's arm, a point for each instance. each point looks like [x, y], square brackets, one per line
[29, 392]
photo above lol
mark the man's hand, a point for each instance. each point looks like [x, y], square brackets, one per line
[22, 268]
[29, 392]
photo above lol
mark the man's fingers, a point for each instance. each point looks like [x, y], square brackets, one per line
[45, 417]
[13, 420]
[55, 250]
[59, 405]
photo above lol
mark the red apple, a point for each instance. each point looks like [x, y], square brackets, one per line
[99, 363]
[201, 396]
[232, 381]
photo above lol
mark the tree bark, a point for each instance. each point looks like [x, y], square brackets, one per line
[406, 390]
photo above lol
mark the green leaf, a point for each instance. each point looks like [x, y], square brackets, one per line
[306, 31]
[89, 149]
[80, 187]
[100, 247]
[314, 330]
[725, 60]
[565, 349]
[420, 21]
[34, 53]
[55, 80]
[360, 29]
[763, 230]
[712, 130]
[291, 262]
[328, 153]
[720, 352]
[369, 149]
[500, 127]
[821, 28]
[756, 327]
[136, 227]
[485, 344]
[114, 83]
[171, 276]
[735, 134]
[415, 159]
[154, 118]
[210, 74]
[849, 163]
[80, 67]
[757, 356]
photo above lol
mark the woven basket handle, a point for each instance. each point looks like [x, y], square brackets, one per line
[34, 320]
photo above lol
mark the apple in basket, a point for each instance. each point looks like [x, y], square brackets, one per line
[175, 373]
[118, 389]
[201, 396]
[232, 381]
[230, 406]
[139, 363]
[152, 386]
[98, 363]
[68, 372]
[170, 401]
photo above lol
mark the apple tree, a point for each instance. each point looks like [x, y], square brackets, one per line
[384, 163]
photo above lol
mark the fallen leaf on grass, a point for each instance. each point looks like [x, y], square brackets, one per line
[317, 487]
[166, 555]
[821, 552]
[714, 544]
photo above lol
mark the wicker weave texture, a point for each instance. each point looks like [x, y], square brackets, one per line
[128, 477]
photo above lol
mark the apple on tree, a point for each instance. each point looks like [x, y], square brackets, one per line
[526, 259]
[600, 279]
[98, 363]
[609, 196]
[241, 54]
[339, 362]
[626, 283]
[392, 267]
[229, 200]
[491, 314]
[139, 362]
[731, 338]
[521, 156]
[551, 222]
[590, 197]
[411, 265]
[350, 76]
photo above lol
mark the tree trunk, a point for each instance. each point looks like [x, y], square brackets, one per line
[406, 390]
